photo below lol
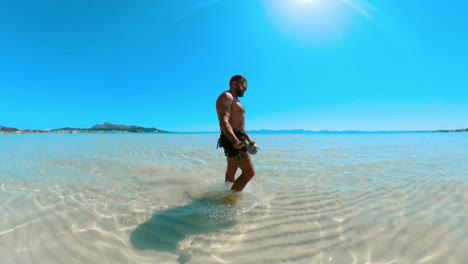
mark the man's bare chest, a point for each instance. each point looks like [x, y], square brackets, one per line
[237, 108]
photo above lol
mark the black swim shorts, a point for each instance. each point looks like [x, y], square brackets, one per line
[229, 149]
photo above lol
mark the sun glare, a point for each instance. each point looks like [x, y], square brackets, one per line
[309, 1]
[307, 20]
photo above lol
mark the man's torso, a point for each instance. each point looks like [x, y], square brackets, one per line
[237, 117]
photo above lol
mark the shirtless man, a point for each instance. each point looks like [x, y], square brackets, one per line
[231, 115]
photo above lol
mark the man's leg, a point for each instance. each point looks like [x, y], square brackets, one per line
[231, 170]
[244, 162]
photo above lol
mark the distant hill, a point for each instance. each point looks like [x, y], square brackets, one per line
[106, 127]
[8, 129]
[123, 128]
[454, 130]
[302, 131]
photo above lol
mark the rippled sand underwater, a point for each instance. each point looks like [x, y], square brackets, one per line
[124, 198]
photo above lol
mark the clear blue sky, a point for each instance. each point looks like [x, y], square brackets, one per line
[311, 64]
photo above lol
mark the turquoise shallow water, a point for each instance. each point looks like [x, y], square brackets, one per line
[158, 198]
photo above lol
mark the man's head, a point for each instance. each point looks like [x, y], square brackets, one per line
[238, 85]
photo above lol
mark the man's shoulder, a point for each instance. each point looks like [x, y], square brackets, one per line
[225, 96]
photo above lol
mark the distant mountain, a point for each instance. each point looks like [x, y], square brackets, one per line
[123, 128]
[454, 130]
[8, 129]
[106, 127]
[302, 131]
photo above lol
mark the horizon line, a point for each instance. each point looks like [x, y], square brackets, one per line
[266, 130]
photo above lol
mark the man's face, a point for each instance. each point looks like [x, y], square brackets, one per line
[241, 88]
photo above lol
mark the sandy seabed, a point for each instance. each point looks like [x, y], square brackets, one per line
[160, 199]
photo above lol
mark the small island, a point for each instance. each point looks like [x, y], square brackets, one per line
[104, 128]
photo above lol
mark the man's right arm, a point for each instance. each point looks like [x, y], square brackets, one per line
[223, 107]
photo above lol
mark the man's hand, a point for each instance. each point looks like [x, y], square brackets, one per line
[238, 145]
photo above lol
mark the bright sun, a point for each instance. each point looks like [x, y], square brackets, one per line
[307, 20]
[309, 1]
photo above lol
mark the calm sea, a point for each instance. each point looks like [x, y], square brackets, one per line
[160, 198]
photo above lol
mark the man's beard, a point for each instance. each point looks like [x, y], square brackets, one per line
[239, 92]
